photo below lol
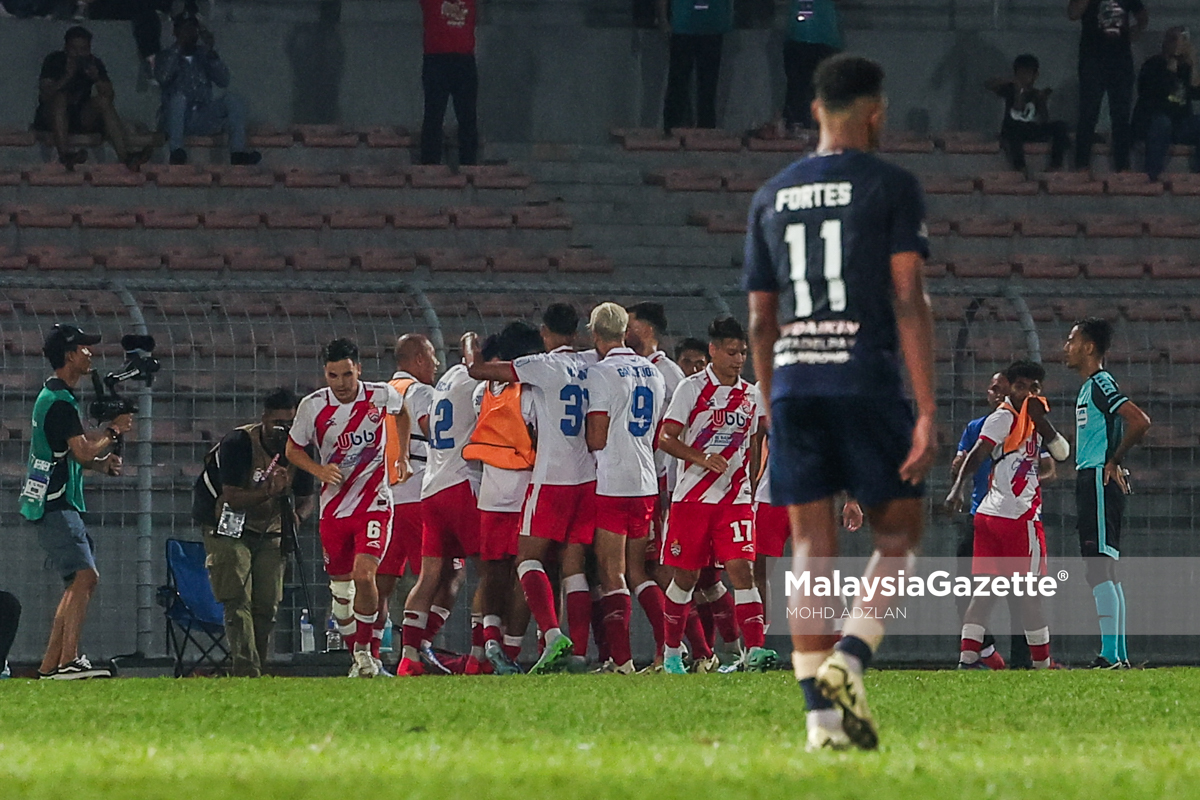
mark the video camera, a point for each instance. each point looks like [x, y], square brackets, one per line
[140, 365]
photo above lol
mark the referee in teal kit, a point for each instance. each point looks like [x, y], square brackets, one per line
[1107, 426]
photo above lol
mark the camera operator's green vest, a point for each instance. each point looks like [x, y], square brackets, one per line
[42, 460]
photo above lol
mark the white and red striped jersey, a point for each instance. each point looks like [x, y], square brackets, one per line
[672, 377]
[557, 384]
[352, 436]
[715, 419]
[629, 389]
[452, 418]
[1015, 492]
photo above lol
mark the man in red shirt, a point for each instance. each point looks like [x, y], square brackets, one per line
[448, 71]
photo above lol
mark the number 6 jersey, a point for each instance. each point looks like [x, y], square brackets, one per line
[630, 390]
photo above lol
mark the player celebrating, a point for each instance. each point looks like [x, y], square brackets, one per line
[625, 396]
[1107, 426]
[449, 516]
[691, 355]
[711, 425]
[1008, 528]
[347, 421]
[560, 507]
[834, 252]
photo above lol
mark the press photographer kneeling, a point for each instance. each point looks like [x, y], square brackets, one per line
[244, 501]
[52, 495]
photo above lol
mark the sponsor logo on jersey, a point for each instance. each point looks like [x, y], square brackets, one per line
[351, 439]
[375, 414]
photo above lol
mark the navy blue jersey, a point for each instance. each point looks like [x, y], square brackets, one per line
[821, 234]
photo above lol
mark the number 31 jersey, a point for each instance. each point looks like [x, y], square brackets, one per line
[821, 234]
[630, 390]
[451, 420]
[558, 383]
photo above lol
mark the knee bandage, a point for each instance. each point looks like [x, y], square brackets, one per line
[343, 598]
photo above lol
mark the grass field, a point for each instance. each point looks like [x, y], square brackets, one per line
[944, 735]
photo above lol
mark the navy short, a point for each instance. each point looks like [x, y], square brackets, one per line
[69, 548]
[821, 446]
[1099, 509]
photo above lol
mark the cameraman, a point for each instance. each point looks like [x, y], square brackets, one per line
[53, 493]
[240, 500]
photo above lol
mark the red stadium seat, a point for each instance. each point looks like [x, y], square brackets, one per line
[1109, 226]
[17, 137]
[720, 221]
[1183, 185]
[949, 184]
[231, 219]
[650, 139]
[314, 258]
[1173, 227]
[496, 177]
[242, 177]
[434, 176]
[541, 217]
[938, 227]
[178, 175]
[302, 178]
[261, 138]
[969, 143]
[10, 177]
[1113, 267]
[127, 258]
[193, 258]
[1040, 225]
[32, 216]
[985, 226]
[481, 217]
[422, 218]
[294, 219]
[1038, 267]
[114, 175]
[708, 140]
[52, 175]
[743, 181]
[905, 142]
[104, 217]
[377, 178]
[1173, 267]
[388, 136]
[1007, 183]
[686, 180]
[980, 267]
[377, 260]
[253, 259]
[1153, 311]
[781, 144]
[326, 136]
[49, 257]
[511, 259]
[10, 260]
[578, 260]
[1070, 310]
[1071, 183]
[361, 219]
[935, 269]
[440, 259]
[1136, 184]
[169, 218]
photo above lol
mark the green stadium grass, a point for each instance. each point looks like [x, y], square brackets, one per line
[944, 735]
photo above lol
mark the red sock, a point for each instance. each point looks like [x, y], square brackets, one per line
[539, 595]
[477, 638]
[650, 596]
[413, 628]
[598, 630]
[725, 617]
[1039, 647]
[675, 617]
[436, 621]
[696, 635]
[579, 619]
[377, 634]
[617, 609]
[491, 629]
[512, 647]
[970, 643]
[749, 610]
[365, 629]
[705, 613]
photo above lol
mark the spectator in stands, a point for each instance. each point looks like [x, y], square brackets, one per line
[691, 355]
[813, 35]
[448, 72]
[142, 15]
[697, 29]
[75, 96]
[10, 618]
[1025, 116]
[1106, 67]
[187, 72]
[1167, 85]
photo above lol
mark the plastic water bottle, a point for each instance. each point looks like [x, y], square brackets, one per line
[308, 641]
[6, 672]
[333, 637]
[386, 645]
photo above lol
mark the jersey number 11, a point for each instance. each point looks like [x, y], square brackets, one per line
[796, 237]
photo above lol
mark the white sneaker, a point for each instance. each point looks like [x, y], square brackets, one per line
[844, 686]
[825, 737]
[380, 669]
[364, 665]
[611, 667]
[706, 665]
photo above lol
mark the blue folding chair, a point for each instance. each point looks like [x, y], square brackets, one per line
[194, 617]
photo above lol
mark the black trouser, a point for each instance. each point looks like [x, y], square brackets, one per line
[1014, 135]
[1098, 77]
[142, 14]
[800, 61]
[10, 616]
[445, 76]
[703, 53]
[1018, 651]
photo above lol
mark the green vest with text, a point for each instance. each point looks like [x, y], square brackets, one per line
[42, 460]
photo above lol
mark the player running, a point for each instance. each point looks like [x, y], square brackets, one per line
[1107, 426]
[348, 422]
[625, 403]
[712, 426]
[833, 266]
[1009, 539]
[560, 507]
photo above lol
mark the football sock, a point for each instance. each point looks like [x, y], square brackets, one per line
[805, 666]
[381, 622]
[412, 631]
[579, 611]
[1039, 647]
[512, 646]
[675, 615]
[858, 652]
[705, 614]
[1122, 653]
[598, 629]
[1108, 607]
[491, 628]
[749, 610]
[365, 624]
[861, 637]
[617, 606]
[477, 639]
[971, 644]
[696, 636]
[724, 613]
[539, 594]
[437, 618]
[650, 596]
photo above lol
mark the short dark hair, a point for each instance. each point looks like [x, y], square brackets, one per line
[842, 79]
[281, 399]
[1098, 331]
[561, 318]
[651, 312]
[339, 350]
[690, 343]
[77, 32]
[490, 348]
[1030, 370]
[518, 339]
[723, 328]
[1027, 61]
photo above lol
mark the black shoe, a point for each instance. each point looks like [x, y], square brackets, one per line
[178, 157]
[246, 158]
[72, 158]
[1103, 663]
[78, 670]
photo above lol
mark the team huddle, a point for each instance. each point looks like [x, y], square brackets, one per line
[607, 468]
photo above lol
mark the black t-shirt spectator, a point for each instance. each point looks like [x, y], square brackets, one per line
[1020, 107]
[1161, 91]
[79, 89]
[1106, 28]
[62, 423]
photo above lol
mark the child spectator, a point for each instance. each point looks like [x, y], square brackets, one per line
[1025, 116]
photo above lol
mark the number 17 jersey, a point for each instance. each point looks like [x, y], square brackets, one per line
[557, 382]
[821, 235]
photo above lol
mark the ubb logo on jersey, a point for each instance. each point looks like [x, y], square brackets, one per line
[723, 417]
[351, 439]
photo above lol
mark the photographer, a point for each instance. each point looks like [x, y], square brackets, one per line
[240, 500]
[52, 495]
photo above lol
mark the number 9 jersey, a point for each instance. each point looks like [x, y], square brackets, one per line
[630, 390]
[821, 234]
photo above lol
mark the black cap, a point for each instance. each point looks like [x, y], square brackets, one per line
[65, 338]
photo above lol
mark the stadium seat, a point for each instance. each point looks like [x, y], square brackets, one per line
[512, 259]
[1109, 226]
[377, 178]
[935, 269]
[114, 175]
[253, 259]
[1039, 267]
[496, 177]
[377, 260]
[178, 175]
[361, 219]
[1172, 227]
[193, 258]
[1171, 267]
[804, 142]
[419, 218]
[434, 176]
[1007, 183]
[1152, 311]
[231, 219]
[541, 217]
[241, 177]
[169, 218]
[985, 226]
[17, 137]
[905, 142]
[1071, 183]
[33, 216]
[580, 260]
[947, 309]
[949, 184]
[104, 217]
[969, 143]
[449, 259]
[686, 180]
[260, 138]
[743, 181]
[315, 258]
[938, 227]
[294, 219]
[388, 136]
[719, 221]
[1071, 309]
[9, 177]
[127, 258]
[326, 136]
[13, 261]
[979, 267]
[1183, 185]
[706, 140]
[1044, 226]
[475, 217]
[52, 175]
[303, 178]
[195, 619]
[1113, 267]
[1135, 184]
[651, 139]
[52, 257]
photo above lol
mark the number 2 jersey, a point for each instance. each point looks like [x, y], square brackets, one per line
[351, 436]
[716, 419]
[452, 417]
[630, 390]
[821, 234]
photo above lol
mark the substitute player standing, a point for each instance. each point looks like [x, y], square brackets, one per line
[347, 421]
[1107, 426]
[834, 251]
[712, 425]
[625, 403]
